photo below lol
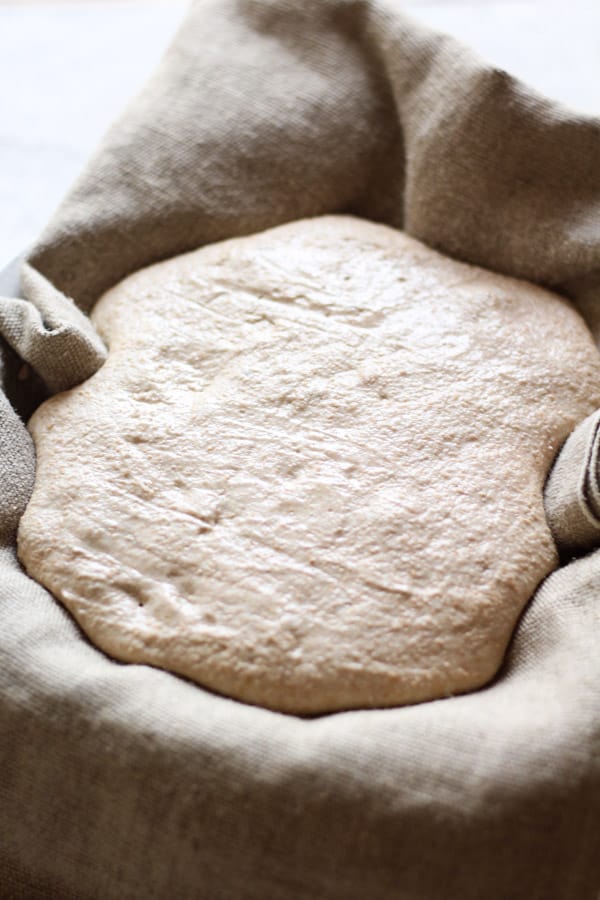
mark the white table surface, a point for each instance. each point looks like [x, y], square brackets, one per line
[67, 70]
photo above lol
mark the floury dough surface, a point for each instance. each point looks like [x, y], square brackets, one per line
[310, 474]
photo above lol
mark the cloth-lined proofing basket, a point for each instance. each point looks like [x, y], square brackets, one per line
[125, 781]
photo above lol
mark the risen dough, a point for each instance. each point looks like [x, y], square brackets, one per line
[310, 474]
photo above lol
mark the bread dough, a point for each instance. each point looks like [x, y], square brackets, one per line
[309, 475]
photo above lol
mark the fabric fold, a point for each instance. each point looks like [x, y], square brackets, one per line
[50, 333]
[572, 492]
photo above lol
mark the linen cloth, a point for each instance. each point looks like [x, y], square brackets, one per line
[123, 781]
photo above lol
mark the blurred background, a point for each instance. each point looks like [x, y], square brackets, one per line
[68, 68]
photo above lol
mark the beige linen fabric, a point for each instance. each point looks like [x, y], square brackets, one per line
[123, 781]
[572, 493]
